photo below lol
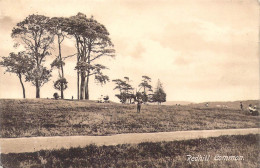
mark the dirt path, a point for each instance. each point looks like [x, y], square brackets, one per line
[31, 144]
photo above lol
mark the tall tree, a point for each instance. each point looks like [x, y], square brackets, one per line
[92, 42]
[128, 90]
[120, 85]
[124, 90]
[146, 86]
[74, 29]
[34, 35]
[56, 26]
[159, 94]
[19, 64]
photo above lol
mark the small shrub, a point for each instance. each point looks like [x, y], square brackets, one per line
[56, 96]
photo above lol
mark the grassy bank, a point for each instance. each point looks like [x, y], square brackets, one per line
[163, 154]
[45, 117]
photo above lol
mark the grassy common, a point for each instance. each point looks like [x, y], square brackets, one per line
[161, 154]
[47, 117]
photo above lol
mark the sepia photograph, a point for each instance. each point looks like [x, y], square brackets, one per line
[129, 84]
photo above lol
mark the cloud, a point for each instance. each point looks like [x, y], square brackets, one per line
[201, 51]
[181, 61]
[121, 45]
[7, 23]
[138, 51]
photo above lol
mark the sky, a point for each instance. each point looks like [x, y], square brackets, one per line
[201, 50]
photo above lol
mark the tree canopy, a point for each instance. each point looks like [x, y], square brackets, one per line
[147, 87]
[33, 34]
[92, 42]
[159, 94]
[125, 90]
[37, 33]
[19, 64]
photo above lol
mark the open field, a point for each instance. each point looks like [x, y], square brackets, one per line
[46, 117]
[160, 154]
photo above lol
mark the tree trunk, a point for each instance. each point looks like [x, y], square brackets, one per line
[61, 91]
[37, 89]
[20, 78]
[88, 72]
[78, 57]
[61, 67]
[82, 85]
[86, 88]
[78, 84]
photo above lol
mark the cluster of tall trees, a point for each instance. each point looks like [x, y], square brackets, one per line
[126, 93]
[145, 93]
[38, 35]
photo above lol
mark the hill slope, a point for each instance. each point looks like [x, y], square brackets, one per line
[46, 117]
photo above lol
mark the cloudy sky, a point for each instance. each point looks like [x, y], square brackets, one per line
[201, 50]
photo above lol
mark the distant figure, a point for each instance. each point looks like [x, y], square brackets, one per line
[139, 106]
[72, 98]
[241, 106]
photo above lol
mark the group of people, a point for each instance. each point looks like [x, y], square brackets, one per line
[252, 110]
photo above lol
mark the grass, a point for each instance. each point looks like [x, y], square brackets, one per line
[161, 154]
[46, 117]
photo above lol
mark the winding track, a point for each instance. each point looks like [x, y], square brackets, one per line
[32, 144]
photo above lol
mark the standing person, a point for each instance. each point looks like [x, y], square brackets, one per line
[139, 106]
[241, 106]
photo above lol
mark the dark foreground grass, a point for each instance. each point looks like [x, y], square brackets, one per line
[162, 154]
[45, 117]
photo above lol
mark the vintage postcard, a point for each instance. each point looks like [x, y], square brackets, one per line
[129, 83]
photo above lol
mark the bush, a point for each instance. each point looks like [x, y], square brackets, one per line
[56, 96]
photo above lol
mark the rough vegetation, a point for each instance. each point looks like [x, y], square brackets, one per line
[162, 154]
[48, 117]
